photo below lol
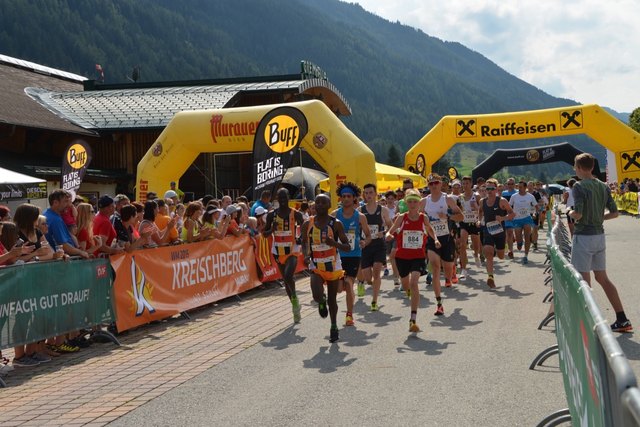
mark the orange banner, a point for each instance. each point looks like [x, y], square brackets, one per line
[267, 262]
[154, 284]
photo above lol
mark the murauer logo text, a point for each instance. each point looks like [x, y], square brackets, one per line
[220, 129]
[513, 128]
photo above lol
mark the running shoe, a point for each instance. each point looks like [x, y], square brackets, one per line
[454, 279]
[429, 279]
[525, 260]
[535, 246]
[439, 310]
[333, 335]
[66, 348]
[374, 306]
[295, 307]
[463, 274]
[322, 307]
[396, 282]
[624, 326]
[40, 357]
[510, 255]
[413, 327]
[25, 362]
[360, 289]
[491, 283]
[447, 283]
[386, 272]
[348, 321]
[519, 244]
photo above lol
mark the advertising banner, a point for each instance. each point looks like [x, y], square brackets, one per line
[76, 160]
[627, 202]
[43, 300]
[265, 259]
[37, 190]
[153, 284]
[278, 135]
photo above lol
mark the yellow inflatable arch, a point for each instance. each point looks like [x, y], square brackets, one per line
[343, 156]
[591, 120]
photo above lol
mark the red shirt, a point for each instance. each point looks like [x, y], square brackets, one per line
[410, 238]
[103, 227]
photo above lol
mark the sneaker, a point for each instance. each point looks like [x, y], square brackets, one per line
[295, 307]
[447, 283]
[386, 272]
[510, 255]
[622, 326]
[40, 357]
[478, 261]
[429, 279]
[333, 335]
[413, 327]
[66, 348]
[463, 274]
[25, 362]
[535, 246]
[519, 245]
[322, 307]
[491, 283]
[525, 260]
[348, 321]
[361, 289]
[439, 310]
[454, 279]
[374, 306]
[396, 282]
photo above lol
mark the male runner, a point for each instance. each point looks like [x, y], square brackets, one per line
[282, 224]
[354, 224]
[523, 204]
[374, 254]
[508, 225]
[494, 210]
[320, 249]
[469, 225]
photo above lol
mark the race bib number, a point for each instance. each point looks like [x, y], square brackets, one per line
[494, 227]
[440, 227]
[412, 239]
[523, 212]
[320, 247]
[373, 228]
[351, 237]
[471, 217]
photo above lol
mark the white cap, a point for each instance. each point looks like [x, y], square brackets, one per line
[260, 211]
[169, 194]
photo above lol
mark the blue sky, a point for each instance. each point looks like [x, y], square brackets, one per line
[588, 51]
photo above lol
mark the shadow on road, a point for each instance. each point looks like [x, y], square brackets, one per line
[416, 344]
[508, 291]
[630, 348]
[284, 339]
[328, 360]
[378, 318]
[353, 337]
[454, 321]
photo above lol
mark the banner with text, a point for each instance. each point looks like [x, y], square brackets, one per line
[154, 284]
[265, 258]
[279, 133]
[74, 165]
[627, 202]
[43, 300]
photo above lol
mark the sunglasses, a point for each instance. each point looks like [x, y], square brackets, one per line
[434, 183]
[490, 188]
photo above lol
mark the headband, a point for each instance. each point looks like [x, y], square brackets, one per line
[347, 190]
[413, 197]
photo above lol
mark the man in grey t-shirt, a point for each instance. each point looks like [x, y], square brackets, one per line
[588, 253]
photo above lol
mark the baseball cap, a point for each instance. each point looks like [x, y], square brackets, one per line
[231, 209]
[105, 201]
[213, 209]
[456, 182]
[151, 195]
[260, 211]
[434, 177]
[169, 194]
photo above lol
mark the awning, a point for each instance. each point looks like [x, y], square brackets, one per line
[17, 186]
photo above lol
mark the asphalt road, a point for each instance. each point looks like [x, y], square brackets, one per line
[468, 368]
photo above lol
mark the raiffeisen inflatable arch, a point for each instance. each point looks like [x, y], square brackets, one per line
[343, 156]
[591, 120]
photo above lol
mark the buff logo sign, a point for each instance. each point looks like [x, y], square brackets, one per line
[277, 136]
[74, 165]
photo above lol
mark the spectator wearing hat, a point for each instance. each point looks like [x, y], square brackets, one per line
[264, 202]
[103, 227]
[235, 214]
[151, 195]
[259, 220]
[171, 195]
[175, 189]
[58, 233]
[211, 220]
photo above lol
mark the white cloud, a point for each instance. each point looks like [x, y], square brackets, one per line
[588, 51]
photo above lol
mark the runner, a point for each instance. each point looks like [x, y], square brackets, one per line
[523, 204]
[392, 206]
[354, 224]
[440, 208]
[321, 255]
[508, 225]
[282, 224]
[374, 254]
[469, 226]
[534, 232]
[493, 211]
[408, 230]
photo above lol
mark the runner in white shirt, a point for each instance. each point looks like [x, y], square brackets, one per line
[468, 226]
[524, 205]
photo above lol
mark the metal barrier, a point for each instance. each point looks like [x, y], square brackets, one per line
[600, 386]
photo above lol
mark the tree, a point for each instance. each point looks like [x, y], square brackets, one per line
[393, 156]
[634, 120]
[456, 158]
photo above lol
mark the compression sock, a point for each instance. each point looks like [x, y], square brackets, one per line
[439, 300]
[413, 315]
[334, 326]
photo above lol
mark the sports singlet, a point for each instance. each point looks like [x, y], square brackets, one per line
[324, 257]
[410, 238]
[469, 208]
[284, 236]
[490, 213]
[374, 220]
[352, 230]
[433, 211]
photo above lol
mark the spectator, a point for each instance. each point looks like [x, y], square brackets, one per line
[151, 196]
[58, 233]
[304, 210]
[179, 216]
[235, 214]
[139, 217]
[8, 239]
[207, 198]
[148, 227]
[193, 230]
[102, 225]
[5, 213]
[26, 220]
[126, 227]
[179, 193]
[86, 240]
[162, 221]
[120, 200]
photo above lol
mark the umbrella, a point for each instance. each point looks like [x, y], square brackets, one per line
[555, 188]
[299, 176]
[388, 178]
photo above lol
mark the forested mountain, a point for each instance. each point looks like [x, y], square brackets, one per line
[398, 80]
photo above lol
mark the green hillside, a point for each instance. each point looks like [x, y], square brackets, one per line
[398, 80]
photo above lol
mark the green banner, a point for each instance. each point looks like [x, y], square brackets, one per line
[42, 300]
[581, 360]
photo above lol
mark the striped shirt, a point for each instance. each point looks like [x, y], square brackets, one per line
[591, 197]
